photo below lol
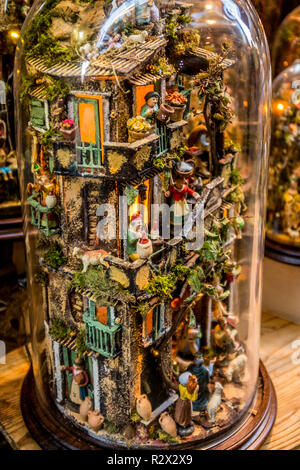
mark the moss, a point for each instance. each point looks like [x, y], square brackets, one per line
[162, 285]
[80, 342]
[48, 136]
[38, 42]
[135, 417]
[59, 330]
[161, 435]
[142, 309]
[41, 277]
[28, 82]
[96, 281]
[110, 427]
[235, 177]
[56, 88]
[54, 256]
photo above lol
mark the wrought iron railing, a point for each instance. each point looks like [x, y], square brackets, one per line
[40, 217]
[104, 339]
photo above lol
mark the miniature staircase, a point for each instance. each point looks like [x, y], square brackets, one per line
[92, 204]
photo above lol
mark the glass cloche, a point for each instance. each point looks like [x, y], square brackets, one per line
[143, 136]
[286, 47]
[283, 222]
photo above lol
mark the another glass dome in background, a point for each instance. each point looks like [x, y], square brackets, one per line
[283, 221]
[165, 103]
[286, 47]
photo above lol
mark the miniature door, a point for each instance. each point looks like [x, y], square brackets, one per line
[88, 113]
[69, 357]
[154, 323]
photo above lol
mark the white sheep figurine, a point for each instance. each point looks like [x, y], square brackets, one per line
[214, 403]
[136, 39]
[91, 258]
[236, 368]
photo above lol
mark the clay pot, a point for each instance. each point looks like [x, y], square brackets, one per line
[143, 407]
[168, 424]
[51, 201]
[144, 248]
[68, 134]
[85, 407]
[165, 112]
[95, 420]
[135, 136]
[178, 113]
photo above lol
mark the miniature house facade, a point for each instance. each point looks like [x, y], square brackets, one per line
[107, 129]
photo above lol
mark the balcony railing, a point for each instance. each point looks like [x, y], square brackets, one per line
[89, 156]
[163, 145]
[104, 339]
[40, 217]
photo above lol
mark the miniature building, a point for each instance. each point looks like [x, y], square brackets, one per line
[86, 158]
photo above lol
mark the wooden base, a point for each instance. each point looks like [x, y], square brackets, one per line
[53, 431]
[282, 253]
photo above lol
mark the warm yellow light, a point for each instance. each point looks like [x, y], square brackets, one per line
[81, 35]
[211, 21]
[280, 107]
[245, 103]
[208, 6]
[15, 34]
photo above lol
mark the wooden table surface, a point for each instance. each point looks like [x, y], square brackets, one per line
[277, 352]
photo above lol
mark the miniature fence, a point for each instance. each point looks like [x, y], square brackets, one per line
[104, 339]
[40, 217]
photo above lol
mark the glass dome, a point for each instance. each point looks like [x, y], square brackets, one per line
[283, 221]
[286, 47]
[143, 136]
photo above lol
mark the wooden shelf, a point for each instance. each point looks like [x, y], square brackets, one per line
[276, 352]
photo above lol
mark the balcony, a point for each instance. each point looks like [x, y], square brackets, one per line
[89, 158]
[123, 160]
[104, 339]
[41, 217]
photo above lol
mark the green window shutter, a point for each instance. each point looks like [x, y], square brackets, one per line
[37, 113]
[67, 363]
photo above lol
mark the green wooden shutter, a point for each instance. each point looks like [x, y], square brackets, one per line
[37, 113]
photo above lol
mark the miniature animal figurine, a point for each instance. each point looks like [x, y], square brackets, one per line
[214, 403]
[95, 420]
[91, 258]
[136, 39]
[89, 52]
[168, 424]
[85, 407]
[236, 368]
[144, 407]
